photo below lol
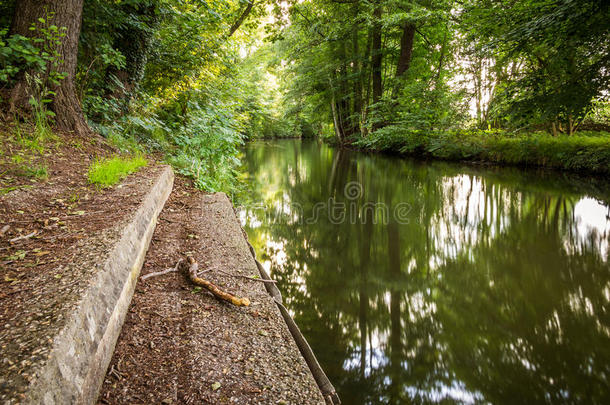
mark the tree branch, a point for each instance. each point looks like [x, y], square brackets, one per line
[241, 18]
[195, 279]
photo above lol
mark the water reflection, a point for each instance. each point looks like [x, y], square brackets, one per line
[493, 286]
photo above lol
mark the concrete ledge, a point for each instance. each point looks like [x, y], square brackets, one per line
[182, 346]
[81, 351]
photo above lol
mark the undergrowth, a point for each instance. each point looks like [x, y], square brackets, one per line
[109, 171]
[203, 146]
[585, 151]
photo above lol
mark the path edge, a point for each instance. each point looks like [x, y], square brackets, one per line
[82, 350]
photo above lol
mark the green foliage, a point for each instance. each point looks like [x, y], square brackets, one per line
[17, 53]
[108, 172]
[550, 58]
[588, 151]
[194, 102]
[206, 150]
[38, 54]
[39, 60]
[33, 140]
[599, 113]
[38, 172]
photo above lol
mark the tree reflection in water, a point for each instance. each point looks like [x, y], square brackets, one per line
[494, 288]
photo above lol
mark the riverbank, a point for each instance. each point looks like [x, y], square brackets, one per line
[71, 256]
[70, 253]
[584, 152]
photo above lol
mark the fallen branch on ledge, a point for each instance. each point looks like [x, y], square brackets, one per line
[193, 270]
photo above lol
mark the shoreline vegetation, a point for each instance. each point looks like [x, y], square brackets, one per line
[586, 152]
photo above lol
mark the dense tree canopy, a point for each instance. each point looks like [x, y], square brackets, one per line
[194, 78]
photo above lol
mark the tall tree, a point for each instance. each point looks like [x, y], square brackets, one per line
[66, 14]
[406, 49]
[376, 53]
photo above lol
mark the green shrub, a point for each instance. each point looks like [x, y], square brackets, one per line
[586, 151]
[107, 172]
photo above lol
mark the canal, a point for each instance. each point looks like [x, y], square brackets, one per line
[430, 282]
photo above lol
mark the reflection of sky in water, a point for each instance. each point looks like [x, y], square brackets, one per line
[592, 217]
[457, 226]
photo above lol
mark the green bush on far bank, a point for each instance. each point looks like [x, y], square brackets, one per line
[584, 151]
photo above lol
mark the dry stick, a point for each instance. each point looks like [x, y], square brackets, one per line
[4, 229]
[261, 280]
[18, 238]
[205, 271]
[192, 273]
[160, 273]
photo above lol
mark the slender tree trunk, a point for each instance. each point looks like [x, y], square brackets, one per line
[357, 73]
[333, 107]
[68, 14]
[366, 68]
[406, 49]
[344, 92]
[376, 55]
[404, 59]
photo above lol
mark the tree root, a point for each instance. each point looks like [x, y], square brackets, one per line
[193, 270]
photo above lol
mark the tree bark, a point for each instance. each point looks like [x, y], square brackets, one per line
[406, 49]
[344, 92]
[333, 107]
[357, 73]
[68, 14]
[193, 269]
[376, 56]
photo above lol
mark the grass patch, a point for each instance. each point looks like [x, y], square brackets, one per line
[110, 171]
[33, 138]
[38, 172]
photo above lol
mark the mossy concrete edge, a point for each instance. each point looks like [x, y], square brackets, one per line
[82, 350]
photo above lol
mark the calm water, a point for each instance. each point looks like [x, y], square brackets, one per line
[427, 282]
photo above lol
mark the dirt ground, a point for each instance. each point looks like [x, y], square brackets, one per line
[45, 226]
[180, 344]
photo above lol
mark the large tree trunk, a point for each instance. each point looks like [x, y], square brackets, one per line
[68, 14]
